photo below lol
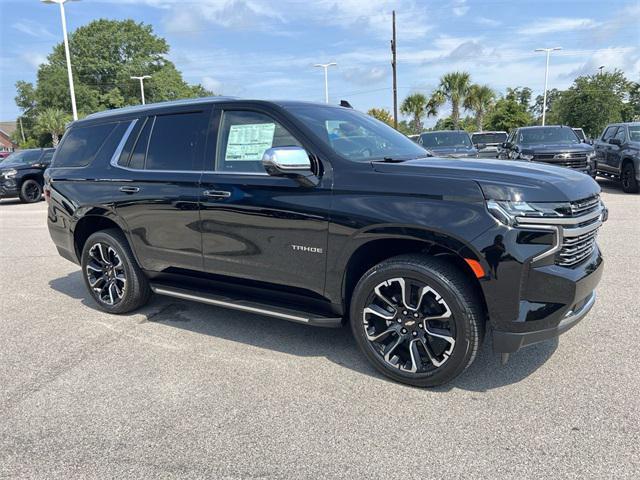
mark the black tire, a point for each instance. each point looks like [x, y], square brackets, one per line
[452, 287]
[134, 290]
[628, 178]
[30, 191]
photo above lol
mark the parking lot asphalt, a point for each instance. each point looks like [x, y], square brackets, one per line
[185, 390]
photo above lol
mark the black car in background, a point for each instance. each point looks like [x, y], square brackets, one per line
[488, 143]
[618, 154]
[449, 143]
[21, 174]
[554, 144]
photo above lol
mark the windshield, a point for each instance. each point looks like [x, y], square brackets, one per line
[21, 158]
[445, 139]
[356, 136]
[634, 133]
[495, 137]
[547, 135]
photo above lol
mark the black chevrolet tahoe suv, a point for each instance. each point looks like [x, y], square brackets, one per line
[22, 174]
[554, 144]
[325, 216]
[618, 154]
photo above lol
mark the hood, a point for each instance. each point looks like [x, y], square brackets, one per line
[452, 151]
[504, 180]
[556, 148]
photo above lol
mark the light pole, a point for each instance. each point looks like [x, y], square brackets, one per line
[141, 79]
[546, 78]
[66, 51]
[600, 68]
[326, 81]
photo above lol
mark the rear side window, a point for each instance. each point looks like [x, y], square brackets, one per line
[81, 144]
[177, 142]
[140, 150]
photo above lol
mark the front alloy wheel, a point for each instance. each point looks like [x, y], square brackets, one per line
[409, 325]
[418, 319]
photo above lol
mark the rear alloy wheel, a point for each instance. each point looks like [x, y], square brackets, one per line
[628, 177]
[112, 274]
[417, 320]
[30, 191]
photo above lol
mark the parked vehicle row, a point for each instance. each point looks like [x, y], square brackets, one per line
[618, 154]
[323, 215]
[22, 174]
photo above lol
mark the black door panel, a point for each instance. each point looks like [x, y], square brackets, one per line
[257, 231]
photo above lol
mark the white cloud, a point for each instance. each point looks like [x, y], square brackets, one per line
[32, 29]
[366, 75]
[212, 84]
[460, 7]
[487, 22]
[33, 59]
[557, 24]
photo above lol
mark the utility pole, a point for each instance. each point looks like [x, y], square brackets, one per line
[141, 79]
[546, 79]
[326, 79]
[393, 67]
[66, 52]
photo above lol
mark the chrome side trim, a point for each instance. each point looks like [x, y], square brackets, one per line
[576, 232]
[557, 239]
[571, 316]
[561, 220]
[116, 155]
[222, 303]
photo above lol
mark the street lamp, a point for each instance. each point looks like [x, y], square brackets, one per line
[546, 78]
[326, 81]
[141, 79]
[600, 68]
[66, 51]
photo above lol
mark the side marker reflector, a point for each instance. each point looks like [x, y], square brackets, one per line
[476, 267]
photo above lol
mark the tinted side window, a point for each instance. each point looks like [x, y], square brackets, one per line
[620, 134]
[46, 158]
[608, 133]
[177, 142]
[243, 138]
[140, 150]
[80, 145]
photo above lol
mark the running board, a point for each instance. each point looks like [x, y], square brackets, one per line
[225, 301]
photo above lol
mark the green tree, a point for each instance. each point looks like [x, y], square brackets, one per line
[105, 54]
[509, 113]
[479, 100]
[553, 96]
[415, 106]
[381, 114]
[52, 121]
[465, 123]
[454, 88]
[593, 101]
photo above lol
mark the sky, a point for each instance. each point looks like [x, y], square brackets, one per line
[267, 48]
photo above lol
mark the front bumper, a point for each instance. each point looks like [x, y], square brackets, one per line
[509, 342]
[8, 189]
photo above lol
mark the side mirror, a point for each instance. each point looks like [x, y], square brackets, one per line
[291, 162]
[615, 141]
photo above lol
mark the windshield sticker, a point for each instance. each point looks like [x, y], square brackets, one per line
[249, 142]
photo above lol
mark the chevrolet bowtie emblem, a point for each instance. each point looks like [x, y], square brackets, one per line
[562, 155]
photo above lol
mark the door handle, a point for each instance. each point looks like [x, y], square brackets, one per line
[130, 189]
[218, 194]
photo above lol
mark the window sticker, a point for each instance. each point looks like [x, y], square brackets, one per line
[249, 142]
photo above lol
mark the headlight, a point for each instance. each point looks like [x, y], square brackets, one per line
[9, 173]
[507, 211]
[591, 156]
[513, 154]
[525, 156]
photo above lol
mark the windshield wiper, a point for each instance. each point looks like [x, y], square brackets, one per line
[391, 160]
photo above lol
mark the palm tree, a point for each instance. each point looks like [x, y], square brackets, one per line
[52, 121]
[479, 100]
[454, 87]
[415, 105]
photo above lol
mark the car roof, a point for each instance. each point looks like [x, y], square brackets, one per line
[620, 124]
[535, 127]
[488, 131]
[445, 131]
[139, 109]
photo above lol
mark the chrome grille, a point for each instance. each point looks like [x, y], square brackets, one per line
[575, 232]
[576, 249]
[569, 160]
